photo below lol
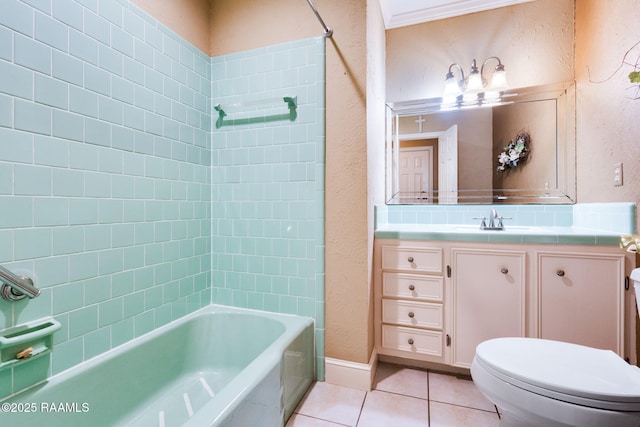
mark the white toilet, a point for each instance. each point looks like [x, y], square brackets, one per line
[536, 382]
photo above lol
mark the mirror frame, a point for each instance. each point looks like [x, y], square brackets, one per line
[562, 191]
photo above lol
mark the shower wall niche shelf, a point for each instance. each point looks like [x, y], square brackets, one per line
[27, 341]
[291, 103]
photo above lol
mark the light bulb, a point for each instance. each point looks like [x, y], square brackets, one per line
[474, 87]
[499, 81]
[451, 91]
[498, 84]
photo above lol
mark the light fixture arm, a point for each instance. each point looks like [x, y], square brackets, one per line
[499, 67]
[450, 75]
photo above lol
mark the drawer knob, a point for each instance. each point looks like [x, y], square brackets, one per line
[412, 288]
[410, 341]
[411, 314]
[410, 259]
[504, 270]
[560, 272]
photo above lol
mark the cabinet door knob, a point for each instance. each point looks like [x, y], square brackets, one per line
[410, 259]
[411, 314]
[412, 288]
[504, 270]
[560, 272]
[410, 341]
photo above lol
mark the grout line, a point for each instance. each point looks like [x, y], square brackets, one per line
[366, 394]
[428, 399]
[323, 419]
[402, 394]
[464, 406]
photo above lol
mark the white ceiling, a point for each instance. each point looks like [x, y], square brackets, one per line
[400, 13]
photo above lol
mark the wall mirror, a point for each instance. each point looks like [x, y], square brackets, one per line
[445, 155]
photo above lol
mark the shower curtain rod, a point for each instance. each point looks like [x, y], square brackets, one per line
[328, 32]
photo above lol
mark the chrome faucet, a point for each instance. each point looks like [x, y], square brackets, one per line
[492, 221]
[494, 215]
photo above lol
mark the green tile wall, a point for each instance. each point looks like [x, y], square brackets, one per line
[105, 174]
[268, 182]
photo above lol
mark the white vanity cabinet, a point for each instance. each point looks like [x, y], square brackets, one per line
[581, 298]
[487, 299]
[435, 301]
[410, 301]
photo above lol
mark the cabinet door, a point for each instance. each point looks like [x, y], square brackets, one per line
[581, 299]
[488, 299]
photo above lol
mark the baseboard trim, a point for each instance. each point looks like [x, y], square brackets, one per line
[351, 374]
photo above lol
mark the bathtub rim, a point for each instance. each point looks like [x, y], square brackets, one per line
[245, 381]
[232, 392]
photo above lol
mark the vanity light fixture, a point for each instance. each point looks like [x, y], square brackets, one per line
[474, 90]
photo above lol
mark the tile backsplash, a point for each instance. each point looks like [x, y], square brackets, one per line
[608, 217]
[105, 174]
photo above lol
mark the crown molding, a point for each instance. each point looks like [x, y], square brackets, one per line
[409, 12]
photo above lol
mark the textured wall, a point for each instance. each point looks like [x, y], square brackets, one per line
[534, 40]
[538, 119]
[608, 129]
[376, 131]
[104, 175]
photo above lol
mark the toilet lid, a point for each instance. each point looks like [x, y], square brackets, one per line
[570, 372]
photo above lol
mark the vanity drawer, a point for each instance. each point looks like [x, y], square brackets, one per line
[428, 260]
[412, 340]
[409, 313]
[412, 286]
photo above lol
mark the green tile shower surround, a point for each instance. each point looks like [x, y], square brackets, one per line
[105, 161]
[106, 136]
[268, 182]
[582, 223]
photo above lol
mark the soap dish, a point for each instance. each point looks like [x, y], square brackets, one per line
[25, 342]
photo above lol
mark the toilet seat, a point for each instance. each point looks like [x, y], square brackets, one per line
[569, 372]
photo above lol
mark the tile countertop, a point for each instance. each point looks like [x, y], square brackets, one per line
[578, 224]
[510, 234]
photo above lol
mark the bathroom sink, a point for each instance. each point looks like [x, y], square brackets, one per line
[513, 228]
[466, 227]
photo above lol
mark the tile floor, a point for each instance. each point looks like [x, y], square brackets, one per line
[403, 397]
